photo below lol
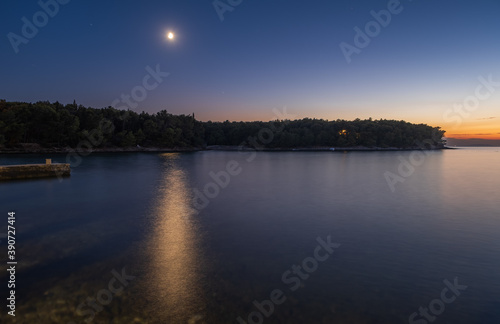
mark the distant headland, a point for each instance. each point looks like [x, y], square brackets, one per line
[45, 127]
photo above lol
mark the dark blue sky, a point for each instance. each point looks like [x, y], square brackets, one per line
[265, 54]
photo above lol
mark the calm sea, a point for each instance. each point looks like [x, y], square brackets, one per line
[288, 237]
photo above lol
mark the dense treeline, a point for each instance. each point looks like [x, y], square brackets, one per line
[54, 124]
[57, 125]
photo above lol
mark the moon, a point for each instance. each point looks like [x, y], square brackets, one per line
[170, 35]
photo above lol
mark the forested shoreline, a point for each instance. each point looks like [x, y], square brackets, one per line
[57, 126]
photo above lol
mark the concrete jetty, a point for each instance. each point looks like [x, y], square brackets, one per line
[30, 171]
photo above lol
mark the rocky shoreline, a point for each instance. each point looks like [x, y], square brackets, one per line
[60, 150]
[35, 149]
[320, 149]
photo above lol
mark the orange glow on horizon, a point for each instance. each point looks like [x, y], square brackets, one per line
[483, 128]
[487, 136]
[486, 128]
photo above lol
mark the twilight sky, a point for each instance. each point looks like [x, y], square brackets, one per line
[425, 61]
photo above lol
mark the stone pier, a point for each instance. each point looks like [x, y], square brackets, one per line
[30, 171]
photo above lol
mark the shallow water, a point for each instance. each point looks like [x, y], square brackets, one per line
[206, 260]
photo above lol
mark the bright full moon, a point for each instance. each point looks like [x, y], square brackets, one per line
[170, 35]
